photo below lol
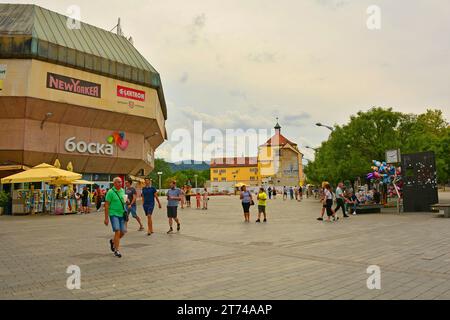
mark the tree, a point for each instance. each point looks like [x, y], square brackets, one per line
[161, 166]
[182, 177]
[351, 148]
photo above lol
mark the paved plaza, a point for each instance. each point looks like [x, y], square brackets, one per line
[217, 256]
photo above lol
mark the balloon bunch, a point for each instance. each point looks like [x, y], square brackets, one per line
[383, 172]
[119, 139]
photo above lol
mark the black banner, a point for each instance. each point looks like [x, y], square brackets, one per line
[72, 85]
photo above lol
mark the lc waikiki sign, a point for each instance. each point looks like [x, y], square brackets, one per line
[118, 139]
[72, 85]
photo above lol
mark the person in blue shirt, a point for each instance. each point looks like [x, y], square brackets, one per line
[149, 195]
[173, 199]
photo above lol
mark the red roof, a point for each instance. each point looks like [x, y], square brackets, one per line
[279, 140]
[234, 162]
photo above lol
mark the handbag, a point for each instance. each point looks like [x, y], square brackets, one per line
[125, 212]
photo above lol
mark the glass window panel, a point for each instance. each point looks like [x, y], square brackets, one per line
[88, 61]
[52, 51]
[62, 54]
[80, 59]
[43, 49]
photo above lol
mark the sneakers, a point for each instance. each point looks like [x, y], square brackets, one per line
[141, 229]
[179, 227]
[111, 243]
[346, 216]
[170, 231]
[117, 254]
[320, 219]
[258, 221]
[265, 220]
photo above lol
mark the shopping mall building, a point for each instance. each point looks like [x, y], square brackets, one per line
[82, 95]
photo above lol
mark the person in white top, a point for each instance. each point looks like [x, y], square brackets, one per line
[329, 203]
[205, 199]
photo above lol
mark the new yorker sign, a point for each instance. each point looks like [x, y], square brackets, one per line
[72, 85]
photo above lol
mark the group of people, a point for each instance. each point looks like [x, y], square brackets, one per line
[120, 204]
[202, 198]
[85, 198]
[295, 193]
[346, 200]
[246, 198]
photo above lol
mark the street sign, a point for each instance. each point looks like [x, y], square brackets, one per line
[393, 156]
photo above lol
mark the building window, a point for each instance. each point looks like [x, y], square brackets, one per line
[216, 171]
[216, 179]
[224, 179]
[252, 178]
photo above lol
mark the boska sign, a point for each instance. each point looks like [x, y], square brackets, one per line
[92, 148]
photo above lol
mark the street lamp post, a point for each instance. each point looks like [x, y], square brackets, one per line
[160, 175]
[315, 149]
[196, 176]
[325, 126]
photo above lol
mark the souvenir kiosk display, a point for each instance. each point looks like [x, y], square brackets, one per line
[65, 202]
[32, 201]
[44, 200]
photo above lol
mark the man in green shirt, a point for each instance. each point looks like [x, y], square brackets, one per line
[115, 212]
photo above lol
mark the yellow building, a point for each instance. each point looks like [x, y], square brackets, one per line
[227, 172]
[280, 162]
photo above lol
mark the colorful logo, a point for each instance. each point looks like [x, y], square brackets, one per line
[118, 138]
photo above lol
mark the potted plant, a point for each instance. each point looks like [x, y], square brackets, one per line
[4, 200]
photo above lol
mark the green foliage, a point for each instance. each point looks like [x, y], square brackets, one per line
[4, 199]
[182, 177]
[351, 148]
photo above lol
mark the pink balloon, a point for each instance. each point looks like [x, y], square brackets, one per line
[124, 145]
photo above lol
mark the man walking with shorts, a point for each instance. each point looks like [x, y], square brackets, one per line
[173, 198]
[131, 203]
[340, 200]
[115, 211]
[149, 195]
[262, 204]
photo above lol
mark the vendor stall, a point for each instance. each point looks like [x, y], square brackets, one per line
[46, 200]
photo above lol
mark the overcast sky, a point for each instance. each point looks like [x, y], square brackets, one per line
[242, 63]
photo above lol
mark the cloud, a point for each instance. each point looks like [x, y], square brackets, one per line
[295, 119]
[196, 28]
[245, 118]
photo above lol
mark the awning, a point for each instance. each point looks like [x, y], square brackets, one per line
[42, 173]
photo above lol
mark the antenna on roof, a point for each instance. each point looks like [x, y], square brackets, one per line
[118, 28]
[119, 31]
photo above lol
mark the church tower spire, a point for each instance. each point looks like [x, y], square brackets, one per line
[278, 127]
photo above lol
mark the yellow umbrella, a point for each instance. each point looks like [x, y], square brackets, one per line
[67, 182]
[42, 173]
[239, 185]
